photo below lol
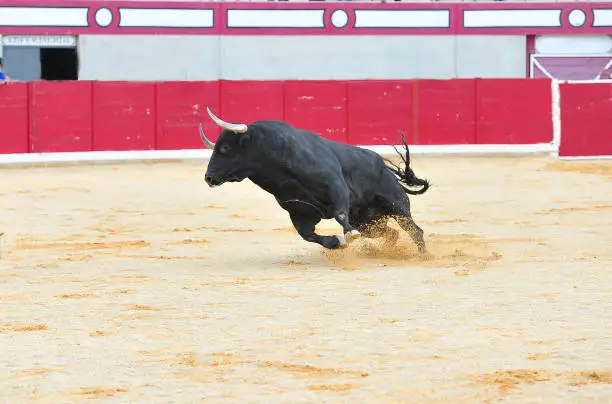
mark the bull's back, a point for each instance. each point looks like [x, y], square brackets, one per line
[357, 164]
[366, 174]
[364, 170]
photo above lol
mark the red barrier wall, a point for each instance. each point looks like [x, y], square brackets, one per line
[445, 112]
[84, 115]
[124, 116]
[378, 111]
[319, 106]
[586, 116]
[181, 107]
[60, 116]
[513, 111]
[247, 101]
[14, 119]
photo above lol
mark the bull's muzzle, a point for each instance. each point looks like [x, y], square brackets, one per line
[211, 181]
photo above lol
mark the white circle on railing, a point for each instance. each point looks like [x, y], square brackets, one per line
[339, 18]
[577, 18]
[104, 17]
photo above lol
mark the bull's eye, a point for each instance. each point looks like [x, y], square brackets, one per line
[225, 148]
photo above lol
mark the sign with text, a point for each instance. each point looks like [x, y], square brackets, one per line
[46, 41]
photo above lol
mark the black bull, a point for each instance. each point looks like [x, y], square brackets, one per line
[313, 178]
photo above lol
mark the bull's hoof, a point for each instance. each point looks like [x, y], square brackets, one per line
[425, 255]
[341, 241]
[352, 236]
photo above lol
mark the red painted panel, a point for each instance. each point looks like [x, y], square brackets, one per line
[181, 107]
[60, 116]
[445, 112]
[586, 119]
[378, 110]
[513, 111]
[124, 115]
[14, 118]
[248, 101]
[318, 106]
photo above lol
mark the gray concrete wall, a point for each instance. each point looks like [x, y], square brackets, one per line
[337, 57]
[148, 57]
[491, 56]
[139, 57]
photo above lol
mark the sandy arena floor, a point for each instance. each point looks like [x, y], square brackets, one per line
[137, 283]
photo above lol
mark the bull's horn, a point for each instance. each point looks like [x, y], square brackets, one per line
[205, 139]
[234, 127]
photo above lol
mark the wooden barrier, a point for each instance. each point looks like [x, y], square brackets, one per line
[103, 116]
[586, 119]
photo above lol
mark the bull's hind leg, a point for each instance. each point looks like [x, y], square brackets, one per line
[305, 226]
[415, 232]
[401, 213]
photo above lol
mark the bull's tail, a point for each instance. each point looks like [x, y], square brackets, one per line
[405, 175]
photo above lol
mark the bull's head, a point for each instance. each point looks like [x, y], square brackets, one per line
[230, 160]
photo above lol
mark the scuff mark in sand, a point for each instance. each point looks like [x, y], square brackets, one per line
[33, 245]
[99, 392]
[12, 327]
[191, 241]
[311, 370]
[507, 380]
[583, 167]
[331, 387]
[76, 295]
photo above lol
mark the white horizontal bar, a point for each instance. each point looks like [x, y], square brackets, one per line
[511, 18]
[171, 18]
[99, 156]
[43, 16]
[402, 18]
[275, 19]
[602, 18]
[577, 158]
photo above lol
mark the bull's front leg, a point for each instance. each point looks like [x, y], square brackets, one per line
[339, 195]
[305, 226]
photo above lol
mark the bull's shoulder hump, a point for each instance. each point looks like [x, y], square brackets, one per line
[271, 124]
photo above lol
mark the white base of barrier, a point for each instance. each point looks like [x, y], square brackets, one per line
[144, 155]
[579, 158]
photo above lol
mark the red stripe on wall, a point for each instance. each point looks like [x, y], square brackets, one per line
[452, 18]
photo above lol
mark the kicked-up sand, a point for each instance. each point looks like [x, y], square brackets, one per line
[138, 283]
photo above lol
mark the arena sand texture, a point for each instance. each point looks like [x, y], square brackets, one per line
[138, 283]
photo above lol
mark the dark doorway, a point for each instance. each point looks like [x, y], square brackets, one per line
[58, 64]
